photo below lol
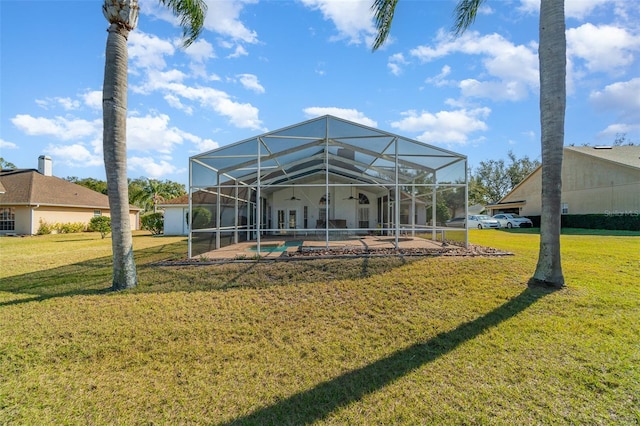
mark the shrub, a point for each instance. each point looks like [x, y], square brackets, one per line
[45, 228]
[101, 224]
[153, 222]
[71, 227]
[201, 218]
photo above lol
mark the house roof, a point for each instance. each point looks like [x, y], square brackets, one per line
[629, 155]
[29, 187]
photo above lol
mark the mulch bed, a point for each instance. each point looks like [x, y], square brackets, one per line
[450, 250]
[311, 253]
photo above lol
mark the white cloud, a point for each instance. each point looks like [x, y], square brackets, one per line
[495, 90]
[59, 127]
[151, 167]
[204, 145]
[395, 63]
[238, 52]
[250, 82]
[578, 9]
[7, 145]
[631, 132]
[92, 99]
[224, 18]
[241, 115]
[444, 127]
[200, 51]
[440, 80]
[152, 133]
[75, 155]
[68, 104]
[514, 68]
[158, 80]
[174, 102]
[148, 51]
[352, 18]
[623, 97]
[603, 48]
[200, 144]
[346, 113]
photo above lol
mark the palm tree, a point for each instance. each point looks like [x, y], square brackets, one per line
[149, 192]
[123, 17]
[553, 64]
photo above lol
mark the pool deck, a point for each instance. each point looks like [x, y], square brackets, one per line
[242, 250]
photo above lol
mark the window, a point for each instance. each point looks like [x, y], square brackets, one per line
[7, 219]
[565, 208]
[97, 212]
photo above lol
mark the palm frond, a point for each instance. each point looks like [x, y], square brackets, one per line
[465, 14]
[383, 11]
[191, 14]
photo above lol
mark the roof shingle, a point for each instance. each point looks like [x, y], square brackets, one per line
[28, 187]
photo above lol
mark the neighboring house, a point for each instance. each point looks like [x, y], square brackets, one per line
[595, 180]
[175, 215]
[29, 197]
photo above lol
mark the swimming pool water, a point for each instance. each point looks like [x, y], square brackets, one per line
[273, 248]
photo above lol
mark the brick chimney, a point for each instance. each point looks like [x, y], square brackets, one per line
[44, 165]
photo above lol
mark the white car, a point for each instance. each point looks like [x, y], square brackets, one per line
[483, 221]
[512, 220]
[480, 221]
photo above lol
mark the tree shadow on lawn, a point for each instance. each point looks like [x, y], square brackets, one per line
[319, 402]
[88, 277]
[93, 277]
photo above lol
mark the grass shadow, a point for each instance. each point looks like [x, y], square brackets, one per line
[317, 403]
[88, 277]
[93, 276]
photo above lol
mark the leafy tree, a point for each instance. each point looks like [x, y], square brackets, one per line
[621, 140]
[91, 183]
[101, 224]
[6, 164]
[552, 54]
[494, 178]
[153, 222]
[123, 18]
[147, 193]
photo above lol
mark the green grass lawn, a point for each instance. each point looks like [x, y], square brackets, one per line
[353, 341]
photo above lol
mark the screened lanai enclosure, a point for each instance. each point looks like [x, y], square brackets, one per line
[324, 179]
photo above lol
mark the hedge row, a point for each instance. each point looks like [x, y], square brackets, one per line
[627, 221]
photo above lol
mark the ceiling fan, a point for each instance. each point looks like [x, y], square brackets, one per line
[350, 197]
[293, 196]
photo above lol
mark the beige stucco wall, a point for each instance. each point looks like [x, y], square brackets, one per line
[28, 218]
[589, 186]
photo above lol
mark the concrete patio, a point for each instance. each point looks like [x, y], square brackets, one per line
[280, 246]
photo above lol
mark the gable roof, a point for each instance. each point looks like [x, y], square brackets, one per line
[29, 187]
[628, 155]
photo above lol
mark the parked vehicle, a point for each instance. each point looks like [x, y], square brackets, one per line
[456, 222]
[480, 221]
[483, 221]
[512, 220]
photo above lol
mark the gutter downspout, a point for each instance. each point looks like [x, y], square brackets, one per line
[31, 225]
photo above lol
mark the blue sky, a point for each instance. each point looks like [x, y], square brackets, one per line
[262, 65]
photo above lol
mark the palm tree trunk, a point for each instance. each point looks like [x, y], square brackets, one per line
[553, 65]
[114, 110]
